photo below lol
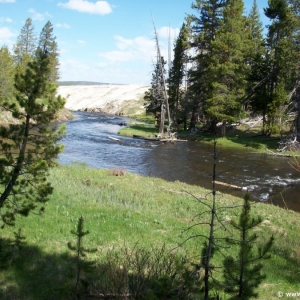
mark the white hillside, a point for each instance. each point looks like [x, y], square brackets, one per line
[106, 98]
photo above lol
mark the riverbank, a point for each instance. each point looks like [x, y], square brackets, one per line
[240, 138]
[130, 209]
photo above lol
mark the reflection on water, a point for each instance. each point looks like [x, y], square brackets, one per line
[268, 178]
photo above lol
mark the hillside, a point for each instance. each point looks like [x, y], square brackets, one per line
[114, 99]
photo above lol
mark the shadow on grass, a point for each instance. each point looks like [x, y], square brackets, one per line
[34, 275]
[284, 266]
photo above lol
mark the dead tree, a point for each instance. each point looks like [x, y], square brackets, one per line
[165, 102]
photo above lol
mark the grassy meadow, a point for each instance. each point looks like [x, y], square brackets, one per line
[129, 212]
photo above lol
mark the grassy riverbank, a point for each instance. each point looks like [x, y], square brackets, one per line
[240, 138]
[131, 209]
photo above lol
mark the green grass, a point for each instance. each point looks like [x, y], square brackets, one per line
[139, 129]
[239, 139]
[135, 209]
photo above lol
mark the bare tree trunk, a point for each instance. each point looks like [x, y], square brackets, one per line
[162, 121]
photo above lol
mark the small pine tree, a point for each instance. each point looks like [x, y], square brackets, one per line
[80, 251]
[243, 273]
[17, 244]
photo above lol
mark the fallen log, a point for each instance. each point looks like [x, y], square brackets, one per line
[158, 139]
[172, 140]
[115, 139]
[231, 185]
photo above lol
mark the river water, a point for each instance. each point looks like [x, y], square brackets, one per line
[268, 178]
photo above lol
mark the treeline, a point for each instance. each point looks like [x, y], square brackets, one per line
[24, 51]
[226, 68]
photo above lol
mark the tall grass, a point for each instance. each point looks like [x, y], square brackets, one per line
[134, 210]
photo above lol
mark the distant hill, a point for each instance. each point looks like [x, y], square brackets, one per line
[68, 83]
[126, 99]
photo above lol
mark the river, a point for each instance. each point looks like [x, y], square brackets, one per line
[268, 178]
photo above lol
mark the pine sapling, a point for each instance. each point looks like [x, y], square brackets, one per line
[80, 253]
[243, 273]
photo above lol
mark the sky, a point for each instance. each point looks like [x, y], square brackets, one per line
[103, 41]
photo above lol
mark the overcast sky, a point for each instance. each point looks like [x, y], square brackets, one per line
[104, 41]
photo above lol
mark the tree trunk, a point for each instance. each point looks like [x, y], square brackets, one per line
[194, 118]
[213, 126]
[18, 167]
[297, 121]
[162, 121]
[223, 128]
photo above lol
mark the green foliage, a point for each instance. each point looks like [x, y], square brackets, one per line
[29, 147]
[228, 68]
[243, 273]
[80, 253]
[47, 44]
[25, 47]
[154, 96]
[177, 94]
[7, 73]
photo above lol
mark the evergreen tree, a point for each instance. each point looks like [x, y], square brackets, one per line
[283, 58]
[228, 67]
[176, 75]
[154, 97]
[47, 44]
[25, 47]
[257, 58]
[203, 32]
[7, 73]
[243, 273]
[29, 148]
[80, 252]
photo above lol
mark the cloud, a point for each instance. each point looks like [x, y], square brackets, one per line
[139, 48]
[7, 1]
[101, 72]
[80, 42]
[7, 20]
[99, 7]
[5, 36]
[64, 25]
[165, 32]
[38, 16]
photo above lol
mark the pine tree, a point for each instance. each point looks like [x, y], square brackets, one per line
[257, 58]
[154, 97]
[80, 251]
[203, 32]
[25, 47]
[228, 68]
[7, 73]
[29, 149]
[243, 273]
[47, 44]
[283, 57]
[176, 75]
